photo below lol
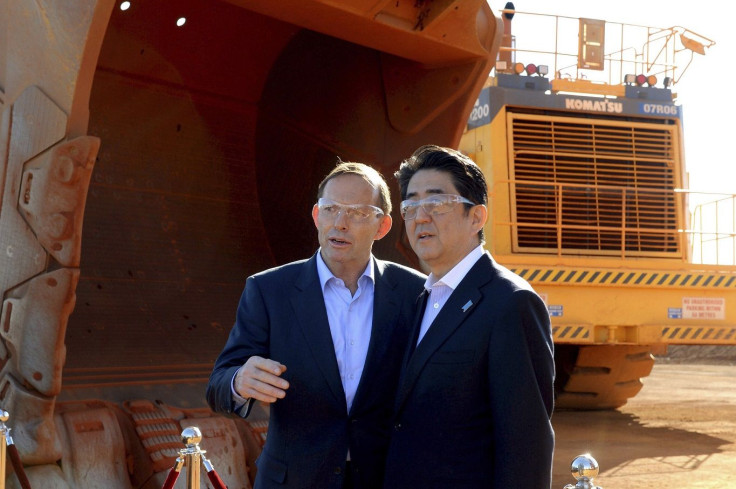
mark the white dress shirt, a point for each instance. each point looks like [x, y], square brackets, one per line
[441, 288]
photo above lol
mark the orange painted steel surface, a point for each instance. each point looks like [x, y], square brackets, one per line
[148, 168]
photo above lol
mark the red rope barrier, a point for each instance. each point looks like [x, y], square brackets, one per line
[18, 467]
[171, 478]
[215, 480]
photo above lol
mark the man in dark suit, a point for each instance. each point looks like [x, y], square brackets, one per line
[475, 397]
[322, 341]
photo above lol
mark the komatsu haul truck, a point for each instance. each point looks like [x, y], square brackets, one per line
[584, 152]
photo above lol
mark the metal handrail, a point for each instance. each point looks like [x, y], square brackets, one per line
[657, 52]
[712, 238]
[697, 228]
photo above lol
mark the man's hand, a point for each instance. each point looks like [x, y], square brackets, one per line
[260, 378]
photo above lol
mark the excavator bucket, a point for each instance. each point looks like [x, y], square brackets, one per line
[152, 156]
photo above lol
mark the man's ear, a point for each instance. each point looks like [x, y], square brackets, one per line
[384, 227]
[315, 215]
[479, 215]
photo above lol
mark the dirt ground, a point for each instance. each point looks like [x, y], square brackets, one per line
[678, 432]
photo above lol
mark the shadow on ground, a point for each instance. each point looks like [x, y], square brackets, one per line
[619, 442]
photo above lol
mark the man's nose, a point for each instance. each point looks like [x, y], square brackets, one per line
[341, 219]
[422, 215]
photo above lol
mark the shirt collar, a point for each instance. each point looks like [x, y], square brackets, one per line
[325, 274]
[453, 278]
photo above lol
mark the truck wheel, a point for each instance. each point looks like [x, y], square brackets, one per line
[599, 377]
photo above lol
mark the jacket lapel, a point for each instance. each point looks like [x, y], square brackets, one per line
[310, 312]
[385, 310]
[419, 306]
[458, 307]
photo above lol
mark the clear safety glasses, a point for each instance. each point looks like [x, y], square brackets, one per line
[354, 212]
[433, 205]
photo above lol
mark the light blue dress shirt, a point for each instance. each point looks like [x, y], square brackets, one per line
[350, 318]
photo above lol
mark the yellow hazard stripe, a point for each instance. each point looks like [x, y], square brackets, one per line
[571, 333]
[627, 278]
[699, 334]
[686, 335]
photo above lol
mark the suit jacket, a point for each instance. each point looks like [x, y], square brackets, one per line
[282, 316]
[476, 395]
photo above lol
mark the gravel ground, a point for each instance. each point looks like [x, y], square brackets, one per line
[678, 432]
[699, 354]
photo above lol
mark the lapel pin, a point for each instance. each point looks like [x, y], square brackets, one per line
[467, 306]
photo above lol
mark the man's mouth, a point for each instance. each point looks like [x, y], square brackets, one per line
[338, 241]
[423, 236]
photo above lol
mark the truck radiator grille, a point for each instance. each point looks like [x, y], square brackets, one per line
[593, 186]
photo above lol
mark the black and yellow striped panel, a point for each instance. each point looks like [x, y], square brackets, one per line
[557, 276]
[711, 335]
[571, 333]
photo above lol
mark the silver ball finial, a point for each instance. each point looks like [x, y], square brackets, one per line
[584, 467]
[191, 436]
[4, 416]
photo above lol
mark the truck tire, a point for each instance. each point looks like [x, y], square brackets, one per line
[599, 377]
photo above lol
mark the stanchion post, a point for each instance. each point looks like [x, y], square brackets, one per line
[4, 436]
[584, 468]
[192, 455]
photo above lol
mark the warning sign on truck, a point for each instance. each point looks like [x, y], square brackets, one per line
[703, 308]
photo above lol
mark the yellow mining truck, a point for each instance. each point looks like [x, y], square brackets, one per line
[584, 152]
[153, 154]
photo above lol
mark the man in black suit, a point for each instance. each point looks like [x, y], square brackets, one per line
[322, 341]
[475, 397]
